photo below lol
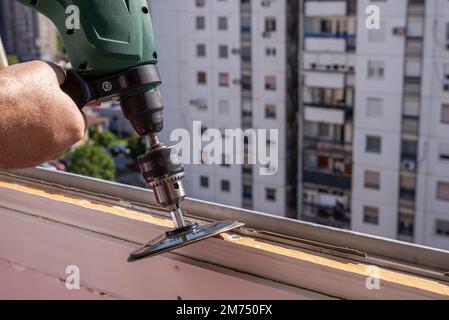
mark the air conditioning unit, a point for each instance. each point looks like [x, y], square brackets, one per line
[399, 31]
[409, 165]
[237, 82]
[236, 51]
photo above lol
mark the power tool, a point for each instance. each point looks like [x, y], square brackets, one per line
[111, 47]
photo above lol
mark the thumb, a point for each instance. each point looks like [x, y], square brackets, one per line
[59, 72]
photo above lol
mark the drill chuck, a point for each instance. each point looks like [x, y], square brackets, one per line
[163, 172]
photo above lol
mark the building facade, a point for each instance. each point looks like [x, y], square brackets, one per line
[228, 64]
[19, 30]
[362, 113]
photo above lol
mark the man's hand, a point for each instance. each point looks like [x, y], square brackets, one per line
[38, 121]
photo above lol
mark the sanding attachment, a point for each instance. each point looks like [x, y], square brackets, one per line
[181, 237]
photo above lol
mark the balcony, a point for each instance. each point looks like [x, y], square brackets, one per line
[333, 180]
[326, 80]
[51, 220]
[324, 115]
[326, 8]
[326, 145]
[329, 42]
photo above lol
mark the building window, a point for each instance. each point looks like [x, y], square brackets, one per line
[223, 51]
[406, 224]
[222, 23]
[377, 35]
[270, 24]
[223, 107]
[372, 180]
[201, 77]
[407, 187]
[374, 107]
[375, 69]
[200, 23]
[445, 113]
[444, 151]
[324, 130]
[270, 111]
[200, 50]
[270, 194]
[225, 185]
[371, 215]
[270, 52]
[204, 182]
[223, 79]
[270, 83]
[442, 228]
[200, 3]
[373, 144]
[443, 191]
[247, 192]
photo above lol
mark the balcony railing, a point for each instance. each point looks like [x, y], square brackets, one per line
[323, 144]
[350, 38]
[335, 180]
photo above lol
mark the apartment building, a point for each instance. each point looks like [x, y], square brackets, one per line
[233, 64]
[19, 30]
[375, 103]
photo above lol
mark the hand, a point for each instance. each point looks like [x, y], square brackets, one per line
[38, 121]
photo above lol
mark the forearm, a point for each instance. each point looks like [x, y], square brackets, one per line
[38, 122]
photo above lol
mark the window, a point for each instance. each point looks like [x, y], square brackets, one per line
[200, 23]
[222, 23]
[375, 69]
[270, 111]
[372, 180]
[444, 151]
[247, 192]
[374, 107]
[270, 83]
[443, 191]
[200, 3]
[373, 144]
[445, 113]
[223, 51]
[270, 194]
[223, 107]
[324, 129]
[225, 186]
[204, 182]
[270, 52]
[442, 228]
[371, 215]
[270, 24]
[201, 77]
[200, 50]
[223, 79]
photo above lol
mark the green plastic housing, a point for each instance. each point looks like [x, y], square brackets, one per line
[114, 35]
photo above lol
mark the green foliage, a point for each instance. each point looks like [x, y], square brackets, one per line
[104, 139]
[136, 146]
[93, 161]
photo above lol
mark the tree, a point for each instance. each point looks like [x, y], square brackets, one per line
[105, 139]
[136, 146]
[91, 160]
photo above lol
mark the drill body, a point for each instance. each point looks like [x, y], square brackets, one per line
[114, 57]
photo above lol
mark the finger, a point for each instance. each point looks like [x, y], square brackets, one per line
[59, 72]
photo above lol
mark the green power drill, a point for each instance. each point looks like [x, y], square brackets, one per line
[112, 50]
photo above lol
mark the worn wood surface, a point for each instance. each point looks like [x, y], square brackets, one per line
[100, 235]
